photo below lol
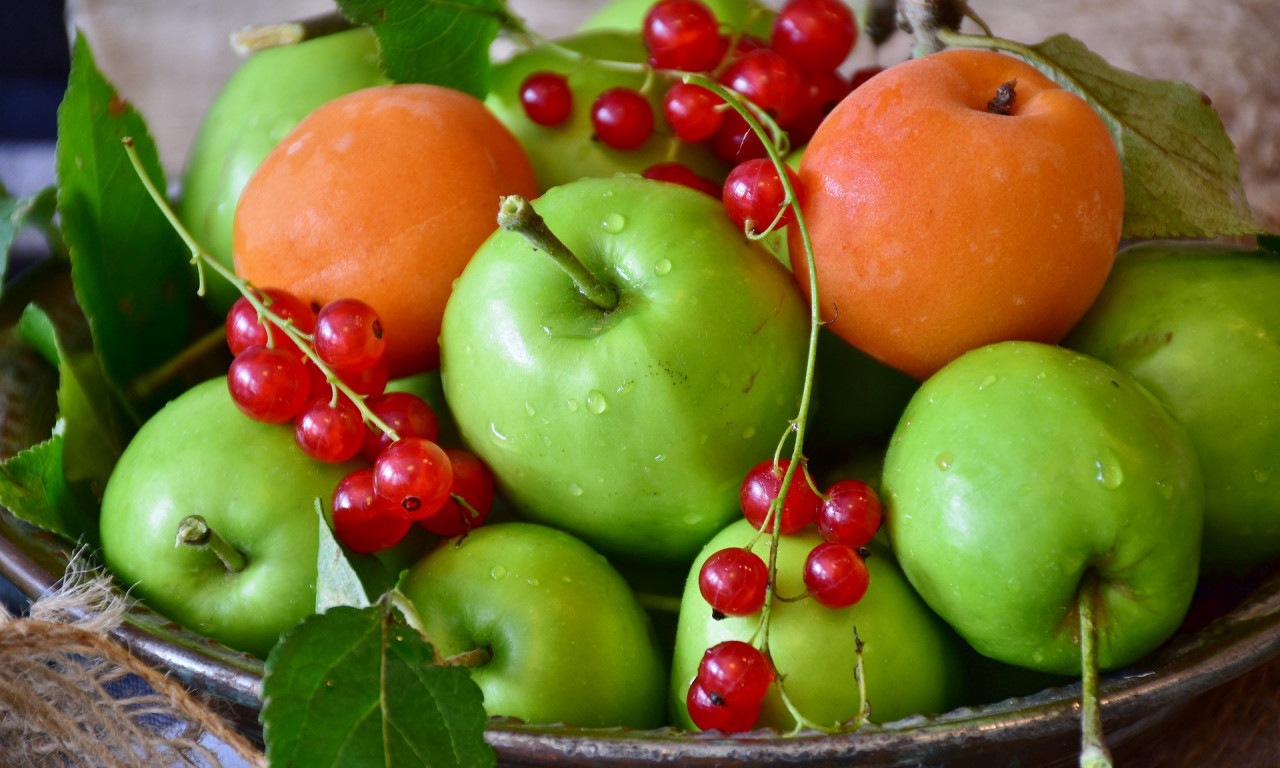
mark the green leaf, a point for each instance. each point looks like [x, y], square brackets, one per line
[129, 266]
[442, 42]
[356, 687]
[1181, 173]
[95, 428]
[34, 210]
[337, 582]
[33, 487]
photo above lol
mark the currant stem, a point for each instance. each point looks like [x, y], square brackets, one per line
[516, 214]
[194, 531]
[200, 258]
[1093, 748]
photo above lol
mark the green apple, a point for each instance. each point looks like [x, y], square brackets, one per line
[562, 637]
[630, 424]
[1025, 480]
[568, 151]
[911, 660]
[629, 15]
[256, 490]
[259, 104]
[1198, 325]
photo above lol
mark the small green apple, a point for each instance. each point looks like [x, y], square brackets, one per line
[566, 639]
[1025, 479]
[630, 425]
[199, 455]
[911, 659]
[1198, 325]
[569, 151]
[259, 104]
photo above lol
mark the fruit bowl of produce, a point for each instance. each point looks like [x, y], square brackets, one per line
[659, 394]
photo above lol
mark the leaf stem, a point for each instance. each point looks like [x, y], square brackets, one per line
[194, 531]
[259, 37]
[1093, 748]
[201, 259]
[516, 214]
[146, 385]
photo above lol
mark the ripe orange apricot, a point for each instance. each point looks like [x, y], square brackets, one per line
[939, 226]
[381, 195]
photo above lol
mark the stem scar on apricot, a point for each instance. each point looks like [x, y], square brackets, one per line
[1002, 104]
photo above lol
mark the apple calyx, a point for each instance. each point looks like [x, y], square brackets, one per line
[194, 531]
[516, 214]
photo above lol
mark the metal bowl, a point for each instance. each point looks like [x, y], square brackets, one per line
[1040, 729]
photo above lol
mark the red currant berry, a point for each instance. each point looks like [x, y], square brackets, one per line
[693, 112]
[822, 92]
[771, 81]
[415, 475]
[835, 574]
[763, 484]
[863, 75]
[738, 672]
[348, 335]
[329, 430]
[363, 521]
[710, 712]
[408, 416]
[850, 513]
[682, 34]
[754, 196]
[268, 384]
[816, 34]
[679, 173]
[622, 118]
[546, 98]
[244, 329]
[734, 582]
[473, 482]
[735, 142]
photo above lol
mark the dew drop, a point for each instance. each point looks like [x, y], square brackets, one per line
[692, 519]
[749, 433]
[533, 582]
[988, 381]
[575, 489]
[528, 408]
[945, 460]
[498, 435]
[660, 457]
[626, 387]
[662, 267]
[546, 440]
[596, 402]
[572, 404]
[1261, 475]
[1165, 490]
[498, 572]
[1108, 472]
[613, 223]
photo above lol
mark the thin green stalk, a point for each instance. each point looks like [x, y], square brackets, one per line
[516, 214]
[201, 259]
[194, 531]
[1093, 748]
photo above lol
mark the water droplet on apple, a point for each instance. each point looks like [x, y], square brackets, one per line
[498, 435]
[573, 405]
[546, 440]
[498, 572]
[660, 457]
[662, 267]
[528, 408]
[613, 223]
[596, 402]
[945, 460]
[533, 582]
[692, 518]
[1261, 475]
[988, 381]
[575, 489]
[748, 433]
[1109, 474]
[626, 387]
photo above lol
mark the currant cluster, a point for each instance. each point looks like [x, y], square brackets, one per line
[733, 677]
[412, 479]
[793, 77]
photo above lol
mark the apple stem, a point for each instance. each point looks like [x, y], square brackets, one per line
[476, 657]
[1093, 749]
[194, 531]
[516, 214]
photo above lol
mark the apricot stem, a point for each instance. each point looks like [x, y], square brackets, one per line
[194, 531]
[1004, 99]
[516, 214]
[1093, 749]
